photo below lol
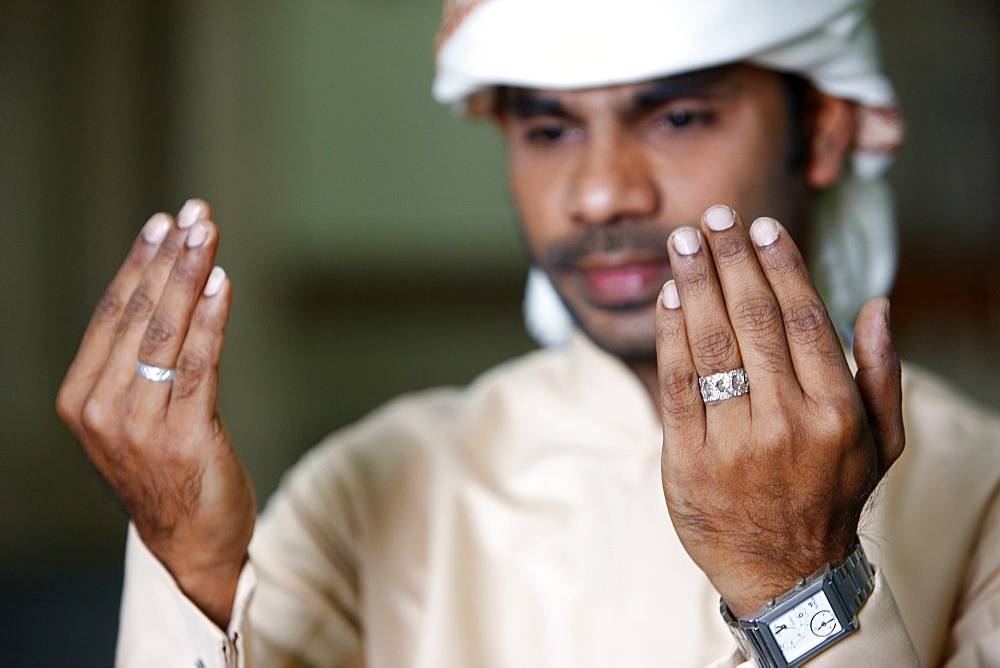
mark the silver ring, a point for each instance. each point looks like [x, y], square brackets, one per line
[157, 374]
[725, 385]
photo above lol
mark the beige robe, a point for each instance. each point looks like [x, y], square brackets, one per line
[521, 522]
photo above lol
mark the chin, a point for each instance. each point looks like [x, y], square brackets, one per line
[627, 334]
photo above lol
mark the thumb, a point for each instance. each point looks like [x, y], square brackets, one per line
[879, 378]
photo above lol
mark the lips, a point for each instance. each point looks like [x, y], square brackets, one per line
[623, 283]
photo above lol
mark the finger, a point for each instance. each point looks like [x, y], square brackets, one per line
[95, 347]
[196, 384]
[751, 305]
[681, 408]
[710, 336]
[878, 379]
[120, 368]
[168, 326]
[813, 345]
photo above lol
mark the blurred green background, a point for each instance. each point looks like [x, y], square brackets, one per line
[367, 232]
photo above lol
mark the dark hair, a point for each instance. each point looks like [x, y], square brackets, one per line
[798, 99]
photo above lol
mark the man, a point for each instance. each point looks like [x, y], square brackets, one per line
[522, 521]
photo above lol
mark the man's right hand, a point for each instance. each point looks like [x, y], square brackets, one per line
[162, 446]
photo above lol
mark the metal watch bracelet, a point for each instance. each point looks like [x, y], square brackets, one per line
[854, 580]
[847, 587]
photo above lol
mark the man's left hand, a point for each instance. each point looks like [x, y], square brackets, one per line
[766, 487]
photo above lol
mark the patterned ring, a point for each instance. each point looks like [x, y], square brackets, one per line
[724, 385]
[157, 374]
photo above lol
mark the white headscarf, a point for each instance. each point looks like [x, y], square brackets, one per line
[566, 44]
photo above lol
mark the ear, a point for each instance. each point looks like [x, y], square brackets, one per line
[833, 128]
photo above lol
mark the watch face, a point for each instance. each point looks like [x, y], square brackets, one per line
[805, 626]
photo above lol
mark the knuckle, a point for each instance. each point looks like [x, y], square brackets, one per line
[67, 407]
[782, 436]
[94, 417]
[140, 305]
[185, 273]
[109, 435]
[109, 307]
[194, 363]
[693, 275]
[806, 322]
[676, 387]
[784, 265]
[758, 315]
[670, 332]
[894, 448]
[784, 432]
[160, 333]
[171, 245]
[715, 347]
[842, 420]
[192, 367]
[731, 249]
[760, 318]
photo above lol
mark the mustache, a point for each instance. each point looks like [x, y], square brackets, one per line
[632, 236]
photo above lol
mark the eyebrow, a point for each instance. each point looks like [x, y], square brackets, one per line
[667, 89]
[527, 103]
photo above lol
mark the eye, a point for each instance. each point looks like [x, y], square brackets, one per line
[549, 133]
[679, 118]
[684, 118]
[545, 133]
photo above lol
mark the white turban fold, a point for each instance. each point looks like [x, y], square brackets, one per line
[568, 44]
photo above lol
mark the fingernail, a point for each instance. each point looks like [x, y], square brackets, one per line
[156, 228]
[669, 295]
[189, 213]
[720, 217]
[764, 231]
[687, 240]
[214, 283]
[197, 235]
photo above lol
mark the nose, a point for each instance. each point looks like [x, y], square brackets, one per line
[612, 182]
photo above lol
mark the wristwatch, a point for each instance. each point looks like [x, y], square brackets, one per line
[804, 621]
